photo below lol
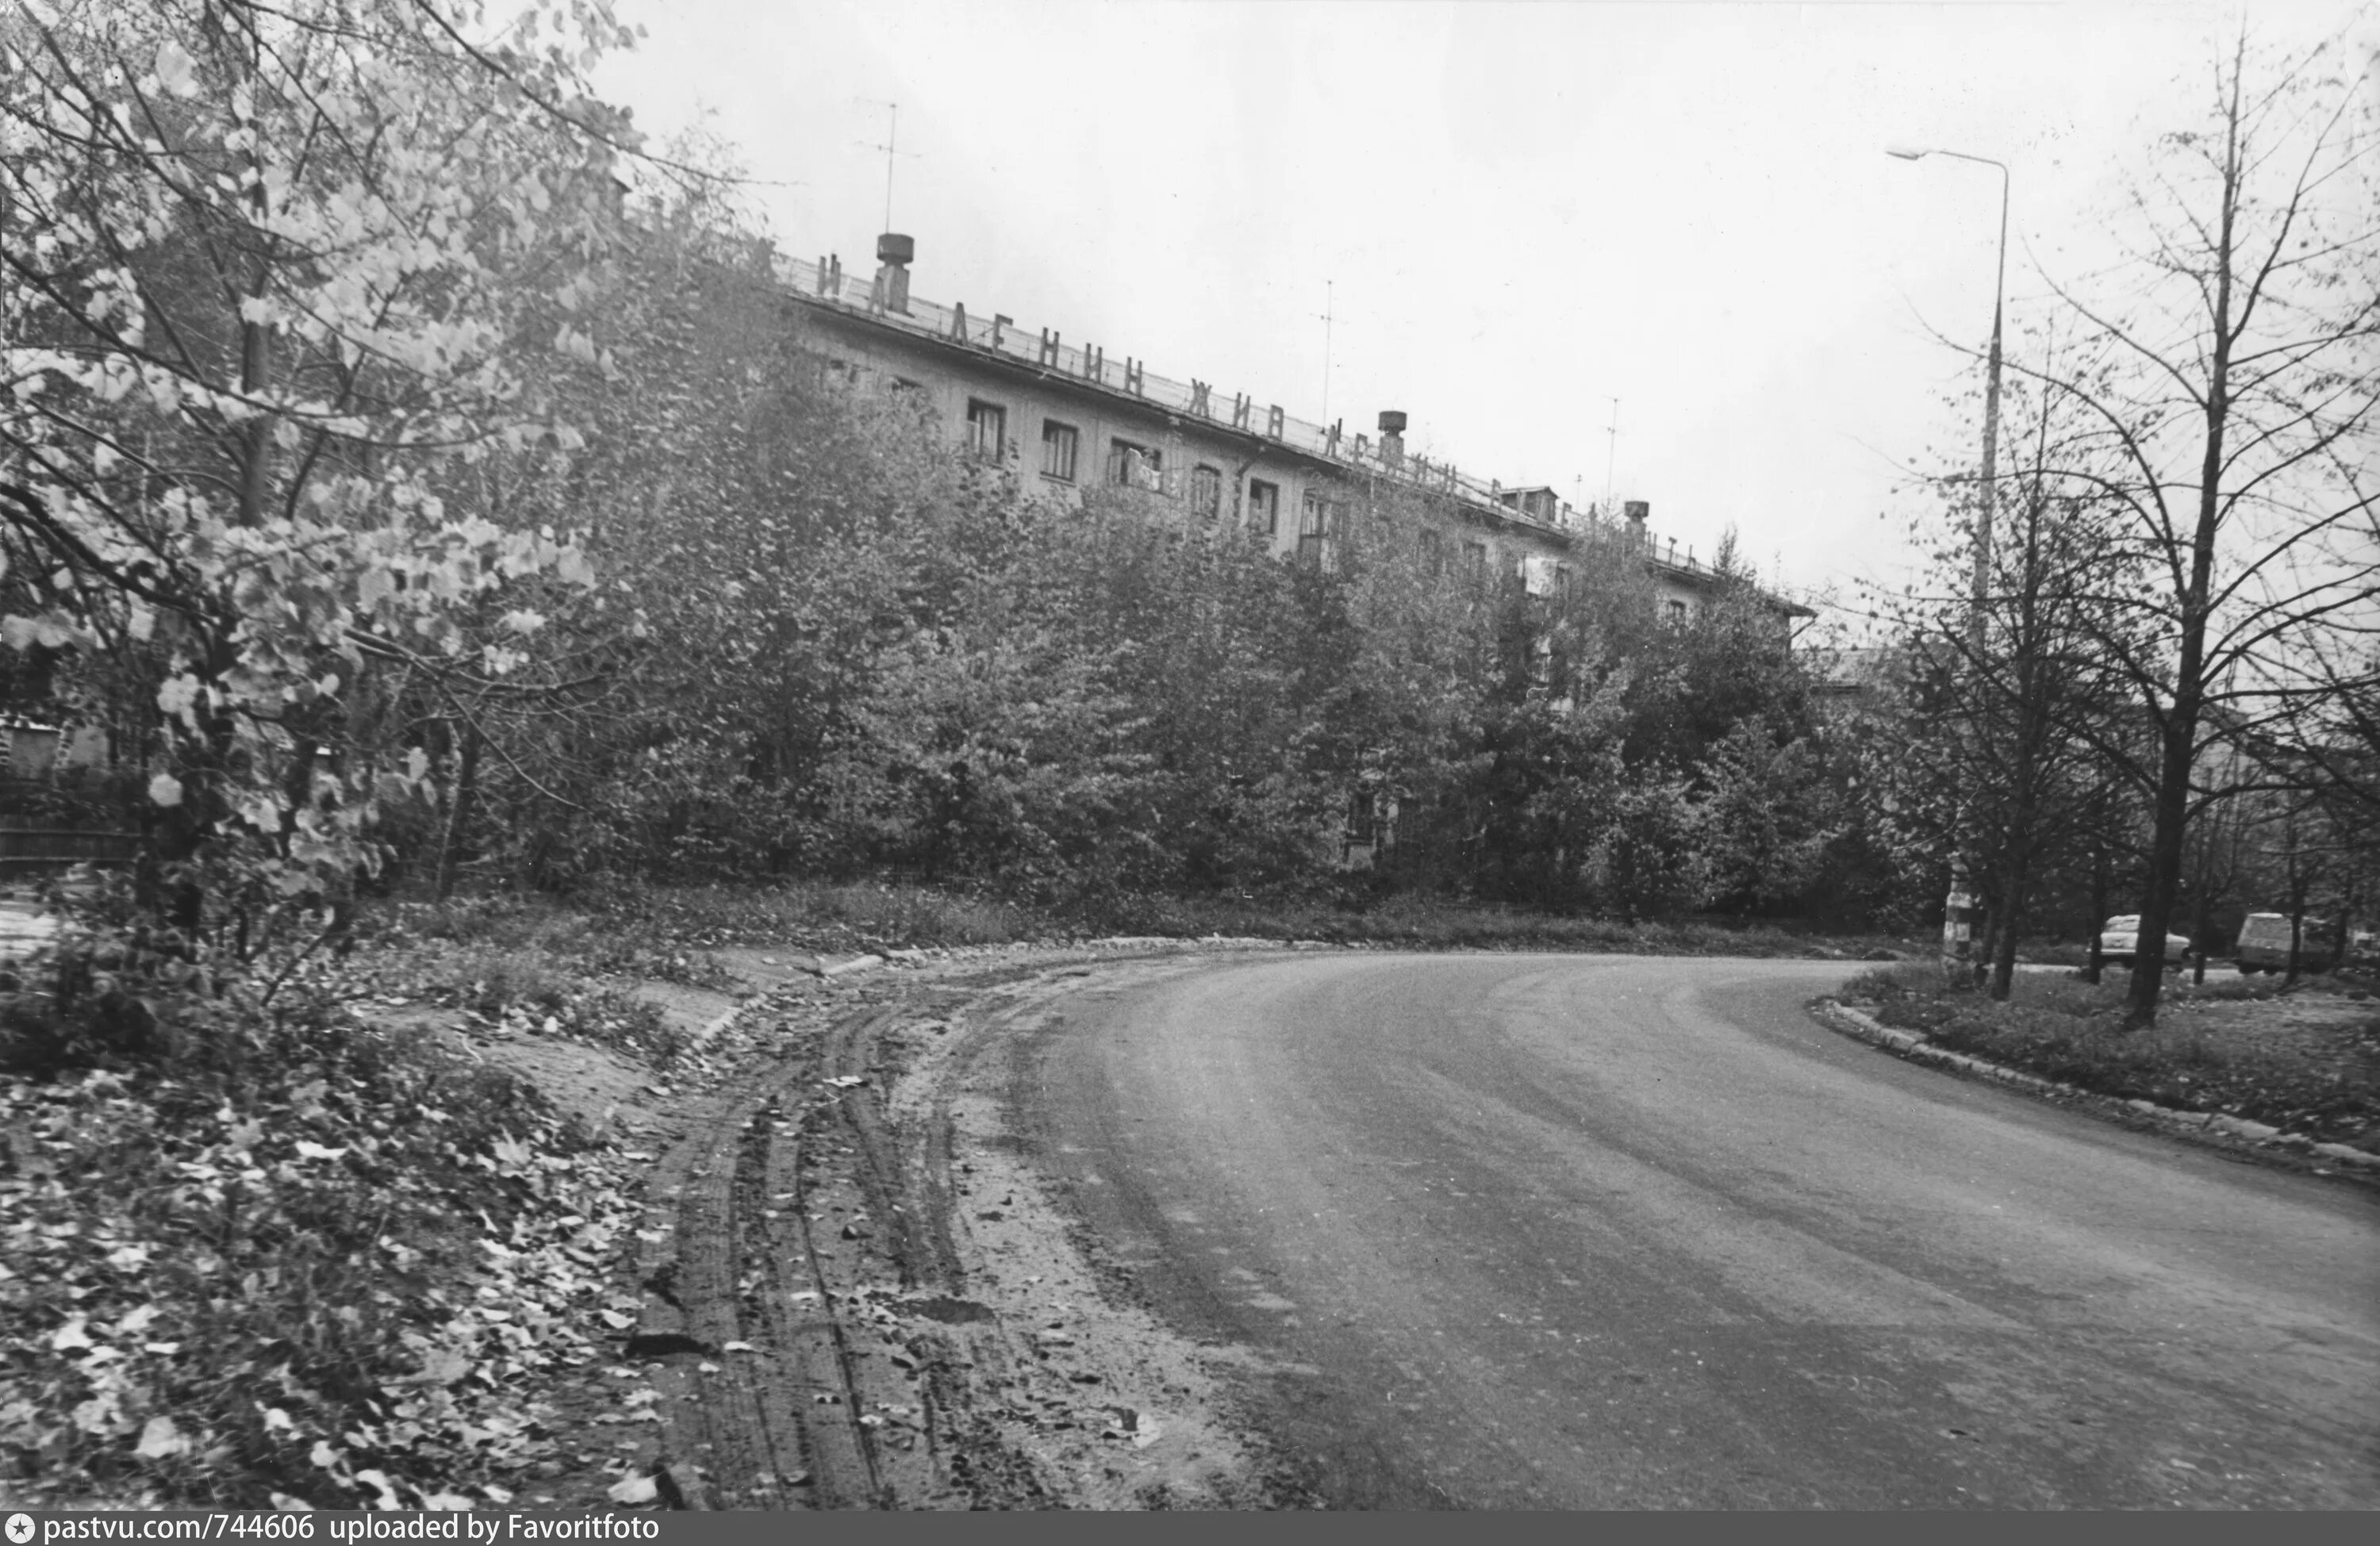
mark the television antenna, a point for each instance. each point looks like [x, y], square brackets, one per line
[890, 148]
[1611, 456]
[1327, 319]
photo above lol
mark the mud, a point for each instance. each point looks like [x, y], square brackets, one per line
[857, 1290]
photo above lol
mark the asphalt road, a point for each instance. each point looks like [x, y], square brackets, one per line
[1608, 1232]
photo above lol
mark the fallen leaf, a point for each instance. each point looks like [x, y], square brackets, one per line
[635, 1489]
[160, 1440]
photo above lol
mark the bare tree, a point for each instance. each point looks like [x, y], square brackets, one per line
[2228, 378]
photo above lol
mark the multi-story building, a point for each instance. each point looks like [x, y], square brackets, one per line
[1074, 415]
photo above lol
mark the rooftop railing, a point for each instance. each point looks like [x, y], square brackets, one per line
[1095, 364]
[1126, 376]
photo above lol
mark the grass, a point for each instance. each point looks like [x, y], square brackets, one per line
[666, 932]
[2319, 1078]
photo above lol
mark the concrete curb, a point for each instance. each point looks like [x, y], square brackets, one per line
[1917, 1048]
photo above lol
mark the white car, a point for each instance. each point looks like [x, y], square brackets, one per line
[2120, 933]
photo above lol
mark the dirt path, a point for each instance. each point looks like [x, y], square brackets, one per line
[856, 1293]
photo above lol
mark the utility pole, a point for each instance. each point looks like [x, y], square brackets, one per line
[1958, 908]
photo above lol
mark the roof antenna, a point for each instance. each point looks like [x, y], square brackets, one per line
[1327, 319]
[891, 148]
[1611, 460]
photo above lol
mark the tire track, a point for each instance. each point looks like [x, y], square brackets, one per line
[811, 1325]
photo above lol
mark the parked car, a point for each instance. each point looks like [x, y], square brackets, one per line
[2264, 944]
[2122, 933]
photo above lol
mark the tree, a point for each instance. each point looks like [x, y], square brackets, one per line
[2230, 392]
[2047, 698]
[272, 267]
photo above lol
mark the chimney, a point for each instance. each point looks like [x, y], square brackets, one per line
[894, 253]
[1638, 511]
[1392, 437]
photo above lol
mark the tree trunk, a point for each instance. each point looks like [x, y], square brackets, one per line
[458, 810]
[2097, 962]
[2180, 727]
[2011, 907]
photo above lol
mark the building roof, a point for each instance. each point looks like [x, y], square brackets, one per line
[826, 285]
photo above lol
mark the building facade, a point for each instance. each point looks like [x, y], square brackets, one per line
[1074, 416]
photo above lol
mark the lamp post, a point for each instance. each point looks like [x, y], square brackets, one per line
[1957, 931]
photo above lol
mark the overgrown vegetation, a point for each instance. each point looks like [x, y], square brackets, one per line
[553, 558]
[2317, 1073]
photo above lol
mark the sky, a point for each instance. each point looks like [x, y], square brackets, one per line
[1511, 213]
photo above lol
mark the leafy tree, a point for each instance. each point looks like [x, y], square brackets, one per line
[1771, 815]
[271, 268]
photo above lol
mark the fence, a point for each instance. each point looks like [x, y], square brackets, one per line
[39, 848]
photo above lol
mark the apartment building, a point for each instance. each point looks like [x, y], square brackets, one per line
[1072, 415]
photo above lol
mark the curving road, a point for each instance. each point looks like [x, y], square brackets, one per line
[1608, 1232]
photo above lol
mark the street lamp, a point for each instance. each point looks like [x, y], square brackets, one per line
[1957, 934]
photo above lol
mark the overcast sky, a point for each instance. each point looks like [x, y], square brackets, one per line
[1515, 213]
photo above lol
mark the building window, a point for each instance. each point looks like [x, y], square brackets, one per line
[1264, 507]
[986, 431]
[1675, 611]
[1135, 467]
[1561, 580]
[1429, 547]
[1317, 531]
[1363, 816]
[1059, 443]
[1206, 491]
[1475, 561]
